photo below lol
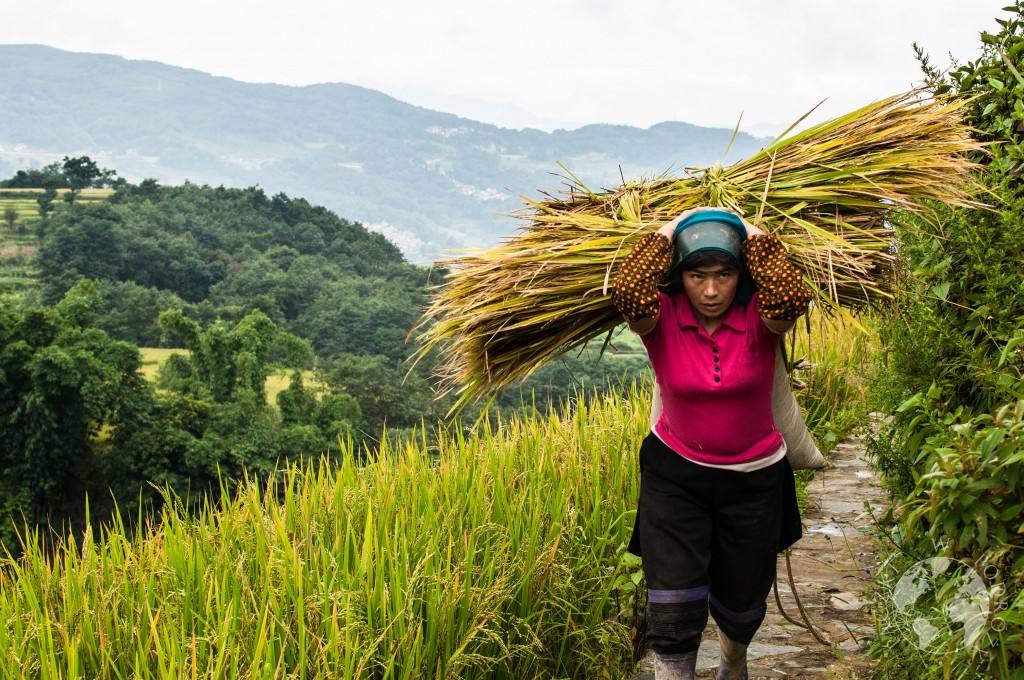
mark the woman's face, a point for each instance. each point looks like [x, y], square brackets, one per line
[711, 291]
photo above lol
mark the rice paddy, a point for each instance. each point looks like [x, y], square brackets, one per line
[19, 242]
[498, 555]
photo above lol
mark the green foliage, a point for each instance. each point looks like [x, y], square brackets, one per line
[970, 495]
[959, 326]
[221, 253]
[78, 417]
[72, 173]
[163, 448]
[226, 359]
[45, 201]
[130, 311]
[47, 176]
[85, 241]
[79, 173]
[336, 415]
[959, 323]
[61, 381]
[953, 372]
[386, 397]
[214, 255]
[965, 507]
[10, 217]
[297, 403]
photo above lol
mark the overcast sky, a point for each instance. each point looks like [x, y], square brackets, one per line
[544, 63]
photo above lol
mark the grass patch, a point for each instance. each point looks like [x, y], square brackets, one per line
[154, 357]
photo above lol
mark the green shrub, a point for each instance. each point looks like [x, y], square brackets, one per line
[952, 374]
[966, 507]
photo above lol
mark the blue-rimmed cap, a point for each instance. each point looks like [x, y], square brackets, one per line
[709, 230]
[712, 230]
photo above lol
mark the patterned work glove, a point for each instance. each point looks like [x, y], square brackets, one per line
[784, 295]
[636, 282]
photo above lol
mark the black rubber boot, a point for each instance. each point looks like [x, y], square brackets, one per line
[733, 659]
[675, 666]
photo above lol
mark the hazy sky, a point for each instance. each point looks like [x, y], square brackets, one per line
[542, 62]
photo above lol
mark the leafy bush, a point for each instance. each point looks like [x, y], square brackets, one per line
[61, 382]
[965, 509]
[952, 456]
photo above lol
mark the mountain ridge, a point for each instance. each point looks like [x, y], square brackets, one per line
[431, 181]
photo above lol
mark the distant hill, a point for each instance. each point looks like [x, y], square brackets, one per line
[429, 181]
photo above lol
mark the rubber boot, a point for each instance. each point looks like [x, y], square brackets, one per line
[733, 659]
[675, 666]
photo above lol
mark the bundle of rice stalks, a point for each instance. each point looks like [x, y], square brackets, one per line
[830, 193]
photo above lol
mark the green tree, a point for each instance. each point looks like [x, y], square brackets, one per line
[49, 175]
[62, 380]
[87, 241]
[336, 416]
[10, 217]
[226, 360]
[79, 173]
[130, 311]
[379, 385]
[297, 403]
[46, 199]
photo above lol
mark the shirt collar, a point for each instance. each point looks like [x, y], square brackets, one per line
[735, 318]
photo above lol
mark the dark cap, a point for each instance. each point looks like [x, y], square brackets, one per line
[709, 230]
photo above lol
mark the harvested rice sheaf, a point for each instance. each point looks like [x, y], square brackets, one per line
[831, 193]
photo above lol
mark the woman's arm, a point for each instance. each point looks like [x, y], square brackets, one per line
[784, 297]
[636, 281]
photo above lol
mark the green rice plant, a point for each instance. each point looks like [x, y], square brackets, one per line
[832, 358]
[833, 388]
[498, 555]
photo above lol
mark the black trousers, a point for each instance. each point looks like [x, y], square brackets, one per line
[708, 539]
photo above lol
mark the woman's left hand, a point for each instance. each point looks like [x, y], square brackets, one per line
[751, 229]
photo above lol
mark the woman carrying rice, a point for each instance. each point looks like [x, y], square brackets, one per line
[717, 499]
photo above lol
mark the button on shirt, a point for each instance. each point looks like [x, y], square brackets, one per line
[716, 389]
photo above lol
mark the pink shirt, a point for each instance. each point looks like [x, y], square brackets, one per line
[716, 389]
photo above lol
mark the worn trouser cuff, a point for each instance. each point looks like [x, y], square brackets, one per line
[674, 624]
[739, 626]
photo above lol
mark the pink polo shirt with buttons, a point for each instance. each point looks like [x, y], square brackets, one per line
[716, 389]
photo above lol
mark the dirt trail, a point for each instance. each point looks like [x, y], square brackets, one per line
[833, 567]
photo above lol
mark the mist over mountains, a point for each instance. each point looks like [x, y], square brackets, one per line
[430, 181]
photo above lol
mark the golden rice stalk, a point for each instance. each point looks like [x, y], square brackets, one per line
[829, 193]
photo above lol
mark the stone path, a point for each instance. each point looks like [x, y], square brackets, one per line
[833, 567]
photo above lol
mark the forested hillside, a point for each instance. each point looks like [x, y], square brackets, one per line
[247, 284]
